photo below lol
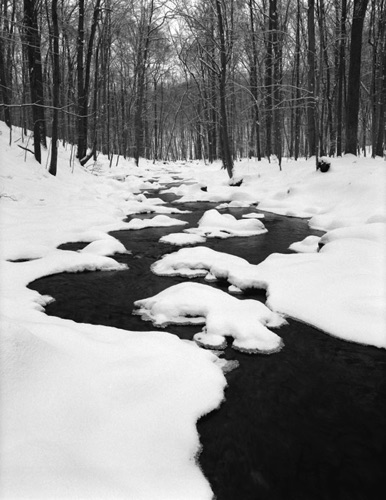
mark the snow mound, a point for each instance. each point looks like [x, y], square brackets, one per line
[375, 231]
[105, 246]
[308, 245]
[180, 239]
[196, 261]
[157, 221]
[253, 215]
[139, 204]
[224, 316]
[215, 225]
[234, 204]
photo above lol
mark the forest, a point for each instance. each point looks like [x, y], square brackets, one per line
[195, 79]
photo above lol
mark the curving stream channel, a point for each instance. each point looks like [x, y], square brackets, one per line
[306, 423]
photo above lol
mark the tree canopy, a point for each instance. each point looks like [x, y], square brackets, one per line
[196, 79]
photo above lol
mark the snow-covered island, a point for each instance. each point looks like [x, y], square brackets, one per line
[92, 411]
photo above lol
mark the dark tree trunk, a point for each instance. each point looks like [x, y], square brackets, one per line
[56, 88]
[353, 88]
[297, 84]
[276, 46]
[84, 78]
[224, 135]
[311, 108]
[269, 87]
[35, 75]
[381, 133]
[5, 87]
[341, 80]
[253, 85]
[82, 147]
[142, 57]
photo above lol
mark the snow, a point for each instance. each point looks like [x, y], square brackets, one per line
[253, 215]
[196, 261]
[340, 289]
[95, 412]
[180, 239]
[157, 221]
[105, 246]
[90, 411]
[310, 244]
[193, 303]
[139, 204]
[371, 231]
[215, 225]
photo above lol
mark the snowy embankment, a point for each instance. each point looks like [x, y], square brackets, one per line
[89, 411]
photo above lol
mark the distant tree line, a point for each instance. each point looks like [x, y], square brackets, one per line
[203, 79]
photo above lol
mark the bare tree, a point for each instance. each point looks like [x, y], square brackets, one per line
[32, 36]
[354, 76]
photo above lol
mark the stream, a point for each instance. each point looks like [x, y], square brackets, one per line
[306, 423]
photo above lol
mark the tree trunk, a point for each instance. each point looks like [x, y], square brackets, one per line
[56, 89]
[381, 132]
[253, 85]
[142, 57]
[35, 75]
[276, 46]
[353, 88]
[269, 86]
[297, 84]
[82, 148]
[341, 79]
[311, 107]
[5, 87]
[84, 77]
[224, 135]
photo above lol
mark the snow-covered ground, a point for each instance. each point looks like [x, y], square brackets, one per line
[97, 412]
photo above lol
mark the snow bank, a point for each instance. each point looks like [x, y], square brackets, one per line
[340, 290]
[373, 232]
[94, 412]
[352, 192]
[224, 316]
[215, 225]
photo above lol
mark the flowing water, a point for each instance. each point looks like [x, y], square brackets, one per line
[306, 423]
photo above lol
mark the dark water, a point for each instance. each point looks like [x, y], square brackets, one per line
[307, 423]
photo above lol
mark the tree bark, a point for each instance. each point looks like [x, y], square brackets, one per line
[5, 87]
[311, 104]
[224, 135]
[56, 89]
[32, 35]
[253, 83]
[341, 80]
[82, 148]
[353, 87]
[381, 132]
